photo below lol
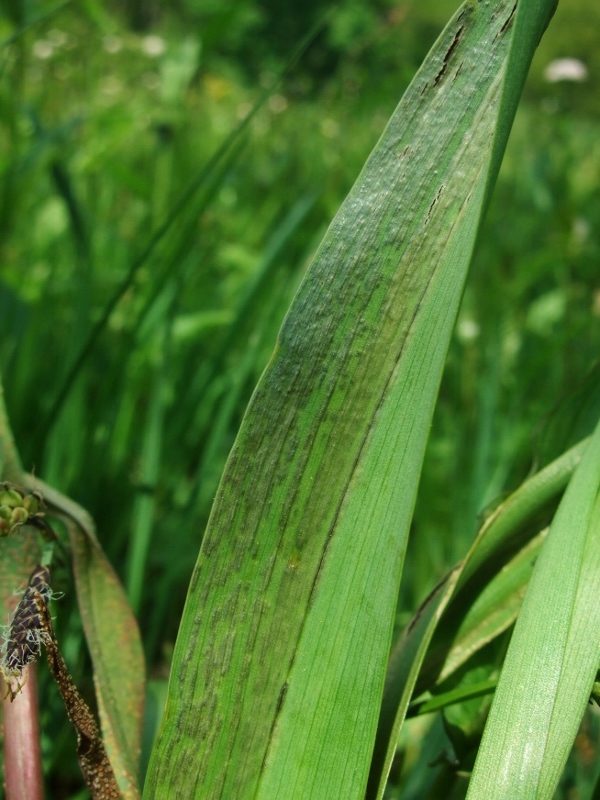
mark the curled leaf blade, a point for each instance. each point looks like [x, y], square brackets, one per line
[113, 639]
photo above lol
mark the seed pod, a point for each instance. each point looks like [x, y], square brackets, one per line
[26, 633]
[10, 497]
[19, 516]
[32, 503]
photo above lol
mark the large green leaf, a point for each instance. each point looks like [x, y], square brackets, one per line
[279, 665]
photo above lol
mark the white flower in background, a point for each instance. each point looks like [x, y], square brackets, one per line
[467, 330]
[566, 69]
[43, 49]
[153, 46]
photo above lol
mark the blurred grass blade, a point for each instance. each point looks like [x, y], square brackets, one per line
[33, 20]
[279, 666]
[416, 655]
[243, 326]
[113, 640]
[553, 655]
[200, 181]
[149, 467]
[10, 465]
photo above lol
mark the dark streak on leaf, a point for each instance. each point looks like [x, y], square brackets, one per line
[508, 21]
[433, 203]
[280, 701]
[452, 48]
[432, 594]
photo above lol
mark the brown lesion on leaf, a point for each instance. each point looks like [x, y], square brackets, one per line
[433, 203]
[447, 57]
[281, 698]
[508, 22]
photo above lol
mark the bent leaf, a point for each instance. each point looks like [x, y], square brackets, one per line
[95, 766]
[279, 666]
[112, 636]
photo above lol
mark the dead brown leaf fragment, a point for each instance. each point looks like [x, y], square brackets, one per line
[94, 763]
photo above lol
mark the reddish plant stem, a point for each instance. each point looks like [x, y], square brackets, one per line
[21, 730]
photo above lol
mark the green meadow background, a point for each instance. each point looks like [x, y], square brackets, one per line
[168, 170]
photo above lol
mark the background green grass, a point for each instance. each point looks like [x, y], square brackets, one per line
[109, 115]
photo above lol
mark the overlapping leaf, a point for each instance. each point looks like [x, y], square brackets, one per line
[553, 656]
[505, 530]
[112, 636]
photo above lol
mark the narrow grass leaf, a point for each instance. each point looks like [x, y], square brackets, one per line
[453, 697]
[149, 469]
[156, 237]
[553, 655]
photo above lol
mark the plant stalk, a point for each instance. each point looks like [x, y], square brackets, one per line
[21, 732]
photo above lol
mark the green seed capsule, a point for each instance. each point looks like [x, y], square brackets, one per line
[12, 498]
[19, 516]
[31, 504]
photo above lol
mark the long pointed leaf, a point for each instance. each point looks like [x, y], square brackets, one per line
[279, 666]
